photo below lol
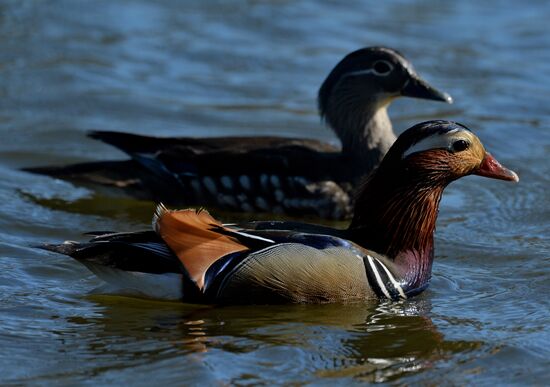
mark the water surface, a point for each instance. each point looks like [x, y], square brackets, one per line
[253, 67]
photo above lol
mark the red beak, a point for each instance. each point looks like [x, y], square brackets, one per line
[490, 167]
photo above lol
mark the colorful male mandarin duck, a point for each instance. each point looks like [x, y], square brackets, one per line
[387, 251]
[271, 174]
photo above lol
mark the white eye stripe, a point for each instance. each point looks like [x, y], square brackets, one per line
[373, 70]
[437, 141]
[361, 72]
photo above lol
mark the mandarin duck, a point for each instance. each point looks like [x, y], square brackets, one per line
[270, 174]
[386, 252]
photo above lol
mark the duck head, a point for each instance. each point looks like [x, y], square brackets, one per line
[397, 207]
[376, 74]
[435, 153]
[354, 97]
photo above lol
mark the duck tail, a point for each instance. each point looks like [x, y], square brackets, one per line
[131, 143]
[66, 248]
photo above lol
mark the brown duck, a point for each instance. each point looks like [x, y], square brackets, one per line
[387, 251]
[271, 174]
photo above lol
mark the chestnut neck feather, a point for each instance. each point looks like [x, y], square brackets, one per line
[395, 215]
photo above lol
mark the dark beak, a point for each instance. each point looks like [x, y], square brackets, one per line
[490, 167]
[419, 88]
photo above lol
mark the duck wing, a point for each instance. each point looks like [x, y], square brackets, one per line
[142, 251]
[135, 143]
[244, 174]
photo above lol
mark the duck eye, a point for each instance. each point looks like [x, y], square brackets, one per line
[460, 145]
[382, 67]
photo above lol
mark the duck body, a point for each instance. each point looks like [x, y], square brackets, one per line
[263, 174]
[323, 269]
[387, 252]
[270, 174]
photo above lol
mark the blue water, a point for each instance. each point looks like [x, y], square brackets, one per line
[253, 67]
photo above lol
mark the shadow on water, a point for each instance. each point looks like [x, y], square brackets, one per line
[142, 211]
[373, 342]
[112, 207]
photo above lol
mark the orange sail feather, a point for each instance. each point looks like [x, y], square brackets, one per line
[189, 234]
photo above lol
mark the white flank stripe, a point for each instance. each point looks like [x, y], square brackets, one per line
[378, 279]
[360, 72]
[393, 281]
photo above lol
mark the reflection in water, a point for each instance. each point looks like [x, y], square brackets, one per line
[95, 204]
[370, 342]
[136, 210]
